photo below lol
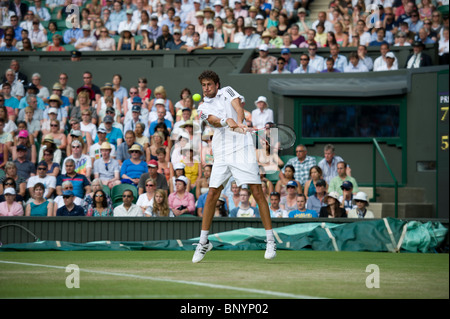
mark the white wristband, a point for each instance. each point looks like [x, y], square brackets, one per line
[223, 122]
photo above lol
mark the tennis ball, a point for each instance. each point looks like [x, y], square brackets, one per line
[196, 97]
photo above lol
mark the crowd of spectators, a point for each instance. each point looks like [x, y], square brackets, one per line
[69, 151]
[63, 150]
[105, 25]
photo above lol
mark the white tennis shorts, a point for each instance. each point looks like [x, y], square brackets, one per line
[243, 173]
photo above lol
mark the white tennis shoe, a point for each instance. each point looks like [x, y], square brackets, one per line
[271, 250]
[201, 251]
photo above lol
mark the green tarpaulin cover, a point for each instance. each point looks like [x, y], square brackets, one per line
[376, 235]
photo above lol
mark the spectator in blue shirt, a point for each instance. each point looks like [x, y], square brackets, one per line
[80, 183]
[301, 211]
[72, 35]
[113, 134]
[8, 47]
[340, 61]
[134, 167]
[161, 113]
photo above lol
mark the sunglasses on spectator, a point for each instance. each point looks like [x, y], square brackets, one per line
[126, 196]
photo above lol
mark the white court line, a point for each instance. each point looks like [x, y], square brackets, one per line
[192, 283]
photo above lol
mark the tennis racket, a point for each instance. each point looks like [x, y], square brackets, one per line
[277, 135]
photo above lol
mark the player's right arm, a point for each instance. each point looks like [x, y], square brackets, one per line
[217, 122]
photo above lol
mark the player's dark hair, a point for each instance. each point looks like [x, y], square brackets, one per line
[209, 75]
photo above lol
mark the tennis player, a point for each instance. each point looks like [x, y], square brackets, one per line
[234, 155]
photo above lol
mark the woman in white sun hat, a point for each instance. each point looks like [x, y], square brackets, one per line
[360, 211]
[333, 208]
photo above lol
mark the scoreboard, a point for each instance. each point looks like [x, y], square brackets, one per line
[443, 143]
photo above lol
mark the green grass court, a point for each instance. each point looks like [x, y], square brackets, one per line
[223, 274]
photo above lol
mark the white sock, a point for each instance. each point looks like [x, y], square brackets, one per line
[269, 235]
[204, 236]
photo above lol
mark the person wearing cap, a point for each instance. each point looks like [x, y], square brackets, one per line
[23, 139]
[251, 39]
[10, 207]
[123, 150]
[337, 181]
[360, 211]
[134, 167]
[106, 168]
[333, 207]
[317, 200]
[161, 117]
[69, 209]
[136, 117]
[126, 41]
[346, 199]
[61, 91]
[181, 201]
[31, 90]
[128, 23]
[54, 104]
[75, 56]
[49, 153]
[140, 112]
[94, 151]
[418, 58]
[48, 181]
[146, 43]
[86, 42]
[107, 93]
[289, 201]
[25, 168]
[152, 172]
[74, 134]
[176, 43]
[390, 63]
[262, 114]
[113, 134]
[302, 211]
[380, 62]
[155, 30]
[264, 63]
